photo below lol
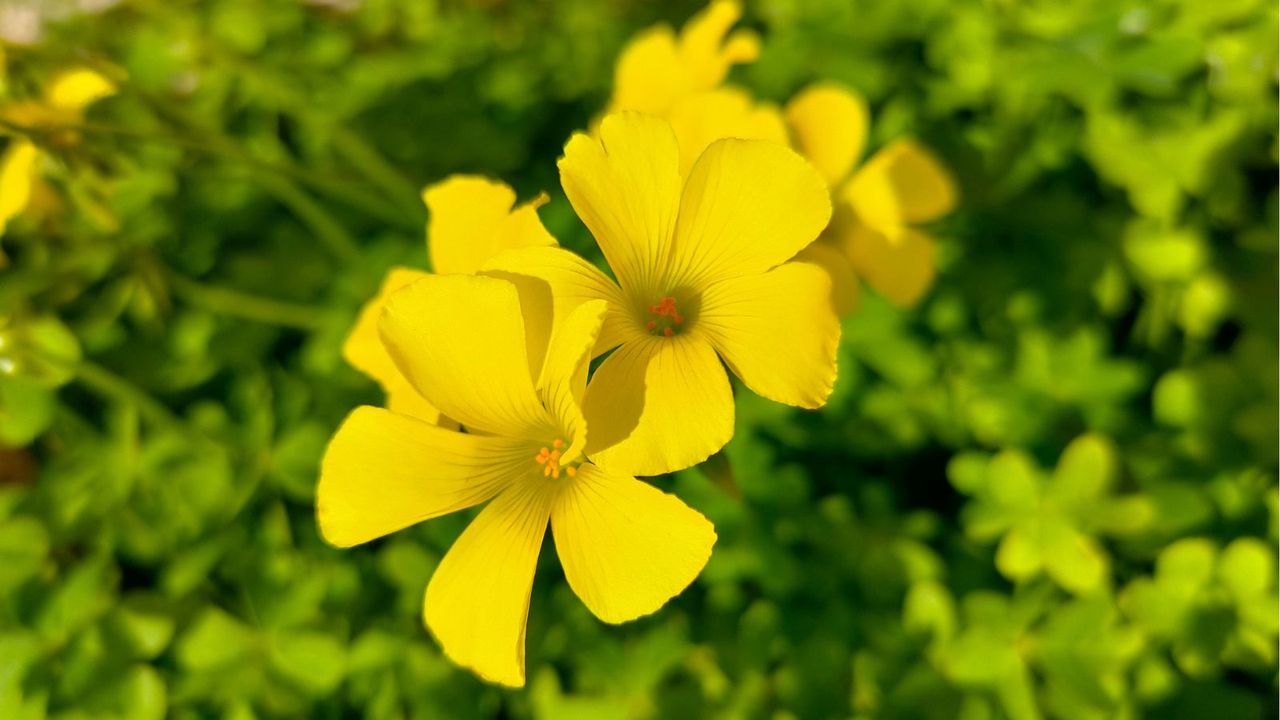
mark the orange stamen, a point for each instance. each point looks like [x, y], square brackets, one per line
[667, 317]
[550, 460]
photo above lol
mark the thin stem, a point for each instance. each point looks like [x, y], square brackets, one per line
[226, 301]
[104, 382]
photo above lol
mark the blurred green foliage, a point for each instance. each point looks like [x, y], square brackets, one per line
[1049, 491]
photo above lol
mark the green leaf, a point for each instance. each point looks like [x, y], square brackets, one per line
[215, 640]
[1084, 473]
[24, 546]
[1074, 560]
[311, 661]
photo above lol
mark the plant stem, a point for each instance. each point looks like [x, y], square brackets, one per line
[226, 301]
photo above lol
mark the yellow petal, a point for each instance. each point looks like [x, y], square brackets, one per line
[626, 188]
[708, 50]
[74, 90]
[626, 546]
[900, 268]
[365, 351]
[748, 206]
[703, 118]
[460, 341]
[658, 405]
[564, 374]
[568, 281]
[648, 76]
[17, 174]
[656, 69]
[845, 291]
[830, 127]
[777, 331]
[383, 471]
[472, 220]
[903, 183]
[477, 602]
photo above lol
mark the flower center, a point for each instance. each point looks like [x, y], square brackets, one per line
[549, 459]
[664, 318]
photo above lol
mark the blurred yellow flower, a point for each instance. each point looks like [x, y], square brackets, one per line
[63, 104]
[471, 220]
[468, 345]
[879, 206]
[702, 276]
[873, 234]
[657, 69]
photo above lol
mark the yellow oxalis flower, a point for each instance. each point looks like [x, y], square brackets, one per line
[64, 102]
[873, 232]
[681, 80]
[471, 220]
[462, 341]
[879, 204]
[657, 69]
[703, 276]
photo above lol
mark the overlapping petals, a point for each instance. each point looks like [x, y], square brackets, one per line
[880, 203]
[703, 245]
[472, 219]
[461, 342]
[658, 69]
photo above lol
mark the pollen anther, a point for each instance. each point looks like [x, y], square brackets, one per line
[549, 458]
[668, 317]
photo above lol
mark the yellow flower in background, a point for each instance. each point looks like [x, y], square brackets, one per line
[471, 220]
[466, 344]
[880, 204]
[874, 233]
[658, 69]
[63, 104]
[681, 79]
[702, 277]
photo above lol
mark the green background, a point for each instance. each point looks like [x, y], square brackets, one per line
[171, 342]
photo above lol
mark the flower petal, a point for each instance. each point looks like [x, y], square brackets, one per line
[477, 602]
[564, 374]
[703, 118]
[626, 546]
[901, 184]
[656, 69]
[846, 294]
[830, 127]
[460, 340]
[708, 50]
[472, 219]
[17, 173]
[748, 206]
[626, 188]
[569, 281]
[901, 267]
[648, 76]
[383, 471]
[658, 405]
[777, 331]
[365, 352]
[75, 90]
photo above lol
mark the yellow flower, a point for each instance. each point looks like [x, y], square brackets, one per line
[657, 70]
[64, 102]
[467, 344]
[703, 276]
[878, 207]
[873, 231]
[471, 220]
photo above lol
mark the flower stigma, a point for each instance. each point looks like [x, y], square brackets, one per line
[549, 459]
[667, 319]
